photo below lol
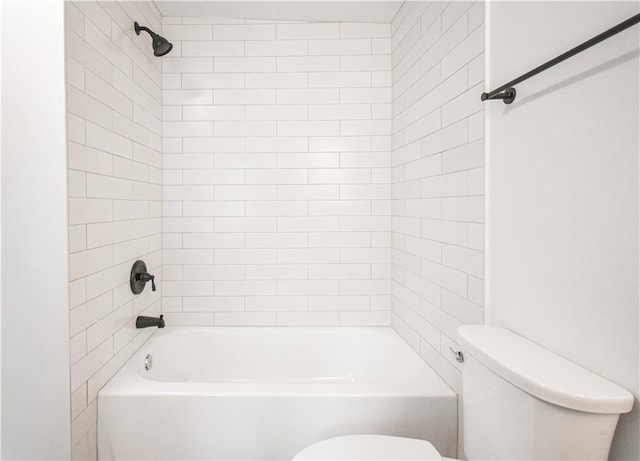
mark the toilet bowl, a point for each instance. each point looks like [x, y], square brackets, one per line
[371, 447]
[521, 401]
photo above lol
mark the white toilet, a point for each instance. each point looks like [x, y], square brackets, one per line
[520, 402]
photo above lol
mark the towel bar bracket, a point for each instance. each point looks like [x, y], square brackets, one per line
[507, 96]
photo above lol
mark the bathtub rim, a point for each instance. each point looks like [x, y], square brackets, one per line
[127, 381]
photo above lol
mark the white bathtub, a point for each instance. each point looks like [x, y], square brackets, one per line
[266, 393]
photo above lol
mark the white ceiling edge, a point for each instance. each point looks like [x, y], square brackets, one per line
[380, 11]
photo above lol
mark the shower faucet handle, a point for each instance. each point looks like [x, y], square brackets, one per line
[139, 278]
[145, 277]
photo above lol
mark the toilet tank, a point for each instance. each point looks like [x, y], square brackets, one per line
[521, 401]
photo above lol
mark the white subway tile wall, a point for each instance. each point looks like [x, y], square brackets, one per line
[437, 176]
[114, 104]
[276, 148]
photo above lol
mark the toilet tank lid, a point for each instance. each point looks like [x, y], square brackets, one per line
[542, 373]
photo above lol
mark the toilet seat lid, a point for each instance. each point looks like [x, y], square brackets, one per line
[372, 447]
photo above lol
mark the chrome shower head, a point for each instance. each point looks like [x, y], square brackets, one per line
[161, 45]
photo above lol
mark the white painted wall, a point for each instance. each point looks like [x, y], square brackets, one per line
[562, 180]
[276, 178]
[0, 240]
[35, 319]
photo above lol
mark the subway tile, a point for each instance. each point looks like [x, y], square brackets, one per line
[245, 96]
[339, 207]
[107, 326]
[212, 81]
[308, 287]
[307, 255]
[340, 176]
[277, 144]
[77, 238]
[276, 80]
[187, 288]
[82, 370]
[212, 240]
[332, 239]
[242, 160]
[364, 127]
[246, 192]
[365, 255]
[275, 303]
[276, 271]
[307, 192]
[307, 96]
[307, 224]
[312, 128]
[365, 95]
[212, 113]
[381, 46]
[213, 303]
[340, 112]
[339, 79]
[245, 256]
[108, 141]
[107, 48]
[88, 108]
[88, 313]
[245, 128]
[276, 176]
[308, 160]
[101, 234]
[308, 31]
[213, 176]
[244, 64]
[187, 32]
[464, 259]
[85, 210]
[276, 240]
[86, 159]
[364, 30]
[245, 318]
[245, 224]
[276, 112]
[379, 62]
[213, 144]
[244, 32]
[103, 91]
[276, 48]
[76, 129]
[190, 64]
[362, 287]
[190, 318]
[308, 318]
[340, 144]
[340, 47]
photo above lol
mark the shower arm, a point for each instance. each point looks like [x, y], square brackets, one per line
[137, 27]
[507, 92]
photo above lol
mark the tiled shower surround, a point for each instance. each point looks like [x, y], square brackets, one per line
[115, 174]
[276, 173]
[272, 173]
[437, 176]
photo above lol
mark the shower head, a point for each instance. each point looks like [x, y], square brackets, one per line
[161, 45]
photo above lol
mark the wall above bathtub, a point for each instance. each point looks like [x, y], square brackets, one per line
[114, 105]
[316, 11]
[276, 173]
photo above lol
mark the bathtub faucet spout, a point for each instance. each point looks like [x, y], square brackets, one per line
[144, 322]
